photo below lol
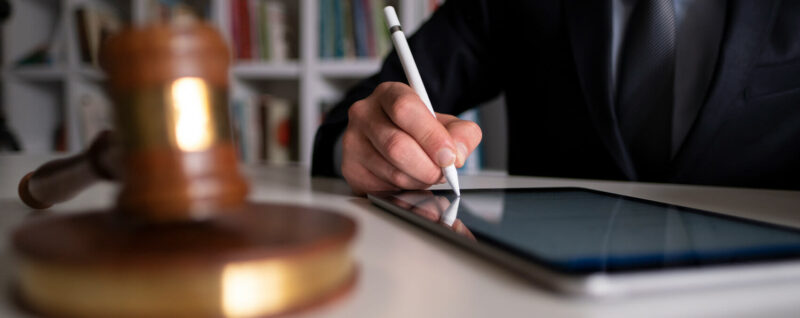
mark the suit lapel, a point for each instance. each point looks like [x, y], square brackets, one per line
[589, 25]
[744, 36]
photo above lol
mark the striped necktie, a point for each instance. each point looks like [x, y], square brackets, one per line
[645, 86]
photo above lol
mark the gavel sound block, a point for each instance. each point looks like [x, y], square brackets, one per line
[181, 241]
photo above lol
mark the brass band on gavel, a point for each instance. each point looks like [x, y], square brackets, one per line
[169, 86]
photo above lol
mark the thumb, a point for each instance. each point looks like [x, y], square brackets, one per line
[466, 135]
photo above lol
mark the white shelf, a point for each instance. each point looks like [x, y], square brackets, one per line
[45, 73]
[266, 70]
[92, 73]
[50, 73]
[348, 68]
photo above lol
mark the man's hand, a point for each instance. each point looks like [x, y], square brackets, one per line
[393, 142]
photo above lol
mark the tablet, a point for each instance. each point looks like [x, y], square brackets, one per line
[585, 242]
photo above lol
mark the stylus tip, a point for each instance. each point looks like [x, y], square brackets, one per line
[451, 174]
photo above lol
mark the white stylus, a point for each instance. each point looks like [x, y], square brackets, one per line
[412, 73]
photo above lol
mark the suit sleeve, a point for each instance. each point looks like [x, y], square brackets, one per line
[452, 51]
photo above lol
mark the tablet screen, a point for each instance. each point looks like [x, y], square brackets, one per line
[582, 231]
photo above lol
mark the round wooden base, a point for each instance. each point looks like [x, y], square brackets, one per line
[267, 260]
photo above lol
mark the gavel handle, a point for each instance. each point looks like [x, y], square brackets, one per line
[62, 179]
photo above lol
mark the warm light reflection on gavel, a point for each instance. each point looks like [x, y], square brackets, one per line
[192, 111]
[248, 290]
[252, 288]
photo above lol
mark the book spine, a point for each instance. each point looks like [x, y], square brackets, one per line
[381, 30]
[252, 128]
[276, 12]
[349, 29]
[244, 27]
[265, 40]
[263, 134]
[338, 30]
[279, 127]
[323, 21]
[93, 29]
[236, 31]
[360, 28]
[83, 34]
[372, 50]
[328, 28]
[254, 27]
[237, 116]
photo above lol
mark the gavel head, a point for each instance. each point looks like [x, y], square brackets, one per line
[169, 83]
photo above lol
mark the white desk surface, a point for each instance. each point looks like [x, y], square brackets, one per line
[406, 272]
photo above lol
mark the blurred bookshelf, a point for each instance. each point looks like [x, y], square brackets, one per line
[349, 68]
[41, 73]
[54, 96]
[266, 70]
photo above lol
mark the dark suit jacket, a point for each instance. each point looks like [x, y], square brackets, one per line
[551, 59]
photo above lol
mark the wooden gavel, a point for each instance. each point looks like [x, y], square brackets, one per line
[181, 240]
[176, 162]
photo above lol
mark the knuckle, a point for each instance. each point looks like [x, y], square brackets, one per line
[404, 181]
[400, 179]
[384, 87]
[393, 86]
[403, 104]
[347, 171]
[432, 138]
[475, 129]
[394, 145]
[431, 176]
[397, 109]
[358, 110]
[349, 141]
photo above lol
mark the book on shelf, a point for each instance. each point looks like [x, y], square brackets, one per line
[338, 29]
[352, 29]
[360, 28]
[274, 25]
[326, 29]
[240, 25]
[265, 129]
[168, 10]
[262, 30]
[94, 25]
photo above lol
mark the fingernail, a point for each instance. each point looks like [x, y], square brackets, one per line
[462, 150]
[445, 157]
